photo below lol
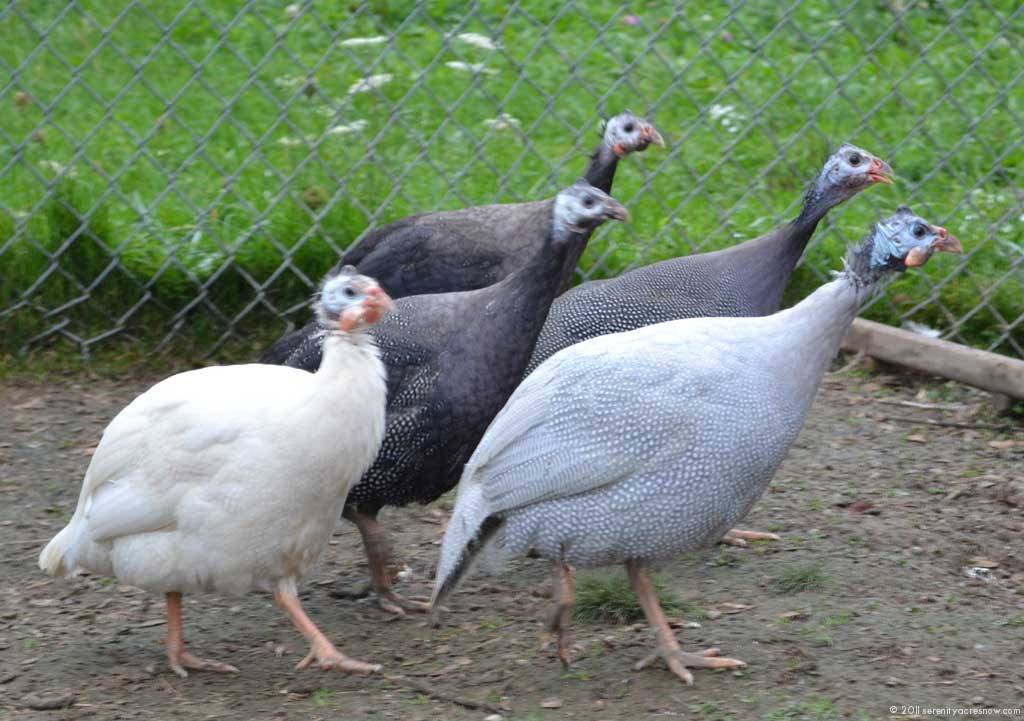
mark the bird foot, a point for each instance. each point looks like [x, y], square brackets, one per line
[678, 661]
[183, 660]
[739, 538]
[330, 658]
[393, 603]
[563, 637]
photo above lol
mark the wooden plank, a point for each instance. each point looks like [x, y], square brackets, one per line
[989, 371]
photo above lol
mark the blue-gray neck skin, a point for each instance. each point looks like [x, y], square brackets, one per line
[876, 257]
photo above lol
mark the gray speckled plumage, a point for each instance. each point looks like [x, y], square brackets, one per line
[746, 280]
[645, 444]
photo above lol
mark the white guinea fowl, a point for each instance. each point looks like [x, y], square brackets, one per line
[231, 478]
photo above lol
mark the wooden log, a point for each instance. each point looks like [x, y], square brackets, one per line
[988, 371]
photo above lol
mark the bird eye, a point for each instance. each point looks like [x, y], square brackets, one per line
[918, 231]
[588, 202]
[855, 159]
[629, 127]
[349, 292]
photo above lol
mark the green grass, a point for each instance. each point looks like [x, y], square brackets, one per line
[179, 219]
[799, 578]
[608, 596]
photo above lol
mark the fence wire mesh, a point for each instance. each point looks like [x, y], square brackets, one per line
[190, 169]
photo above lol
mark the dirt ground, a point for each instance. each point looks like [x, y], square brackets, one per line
[915, 530]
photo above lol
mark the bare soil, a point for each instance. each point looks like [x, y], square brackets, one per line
[914, 528]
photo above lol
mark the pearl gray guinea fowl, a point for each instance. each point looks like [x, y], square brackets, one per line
[638, 446]
[452, 361]
[744, 280]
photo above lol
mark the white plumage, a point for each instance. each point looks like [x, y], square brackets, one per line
[232, 478]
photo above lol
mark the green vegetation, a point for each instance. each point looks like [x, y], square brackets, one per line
[202, 183]
[794, 579]
[608, 596]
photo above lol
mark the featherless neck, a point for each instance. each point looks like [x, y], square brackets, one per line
[815, 207]
[863, 268]
[601, 171]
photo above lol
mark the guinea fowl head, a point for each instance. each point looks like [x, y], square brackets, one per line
[847, 172]
[349, 301]
[582, 207]
[626, 133]
[903, 240]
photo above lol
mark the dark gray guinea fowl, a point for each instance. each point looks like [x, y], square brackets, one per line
[637, 447]
[452, 361]
[458, 250]
[745, 280]
[476, 247]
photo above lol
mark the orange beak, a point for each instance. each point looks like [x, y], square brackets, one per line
[880, 172]
[649, 135]
[946, 242]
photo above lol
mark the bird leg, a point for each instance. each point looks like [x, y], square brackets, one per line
[736, 537]
[668, 647]
[320, 649]
[561, 619]
[378, 555]
[178, 658]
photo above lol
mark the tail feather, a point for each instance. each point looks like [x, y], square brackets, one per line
[52, 559]
[444, 587]
[471, 526]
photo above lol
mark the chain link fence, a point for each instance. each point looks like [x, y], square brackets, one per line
[189, 169]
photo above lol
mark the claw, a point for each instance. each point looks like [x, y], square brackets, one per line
[330, 658]
[393, 603]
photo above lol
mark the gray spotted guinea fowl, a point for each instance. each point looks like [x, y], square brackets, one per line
[452, 360]
[635, 447]
[472, 248]
[744, 280]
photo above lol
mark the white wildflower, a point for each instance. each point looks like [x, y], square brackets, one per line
[476, 68]
[57, 168]
[293, 10]
[357, 42]
[728, 116]
[717, 111]
[287, 81]
[290, 142]
[345, 128]
[369, 83]
[481, 41]
[503, 121]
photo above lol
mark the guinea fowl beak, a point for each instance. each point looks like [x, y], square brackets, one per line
[616, 210]
[947, 242]
[880, 172]
[649, 135]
